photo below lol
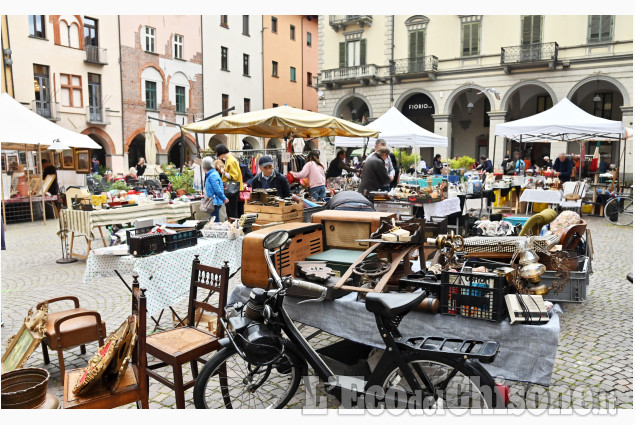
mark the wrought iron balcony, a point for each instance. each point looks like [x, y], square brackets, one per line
[338, 22]
[530, 54]
[96, 115]
[423, 66]
[365, 74]
[97, 55]
[48, 110]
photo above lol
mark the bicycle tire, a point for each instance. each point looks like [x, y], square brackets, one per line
[619, 211]
[479, 379]
[237, 398]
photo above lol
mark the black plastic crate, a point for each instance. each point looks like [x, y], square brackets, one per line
[308, 212]
[180, 240]
[136, 231]
[474, 295]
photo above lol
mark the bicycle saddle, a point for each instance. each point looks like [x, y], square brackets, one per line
[390, 306]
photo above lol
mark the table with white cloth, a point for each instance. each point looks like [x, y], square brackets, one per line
[551, 197]
[442, 208]
[166, 276]
[527, 352]
[86, 223]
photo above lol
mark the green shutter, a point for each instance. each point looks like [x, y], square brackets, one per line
[526, 31]
[594, 28]
[605, 26]
[362, 51]
[465, 48]
[342, 55]
[536, 29]
[532, 29]
[475, 39]
[421, 36]
[412, 42]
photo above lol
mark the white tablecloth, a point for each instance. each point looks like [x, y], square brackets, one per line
[167, 275]
[539, 195]
[443, 208]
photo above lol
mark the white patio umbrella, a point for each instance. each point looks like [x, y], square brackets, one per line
[151, 151]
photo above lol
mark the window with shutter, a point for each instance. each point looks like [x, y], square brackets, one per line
[362, 52]
[532, 29]
[342, 55]
[471, 38]
[600, 28]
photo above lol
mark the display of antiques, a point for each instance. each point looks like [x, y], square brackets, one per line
[26, 388]
[272, 209]
[225, 230]
[428, 194]
[495, 228]
[528, 270]
[21, 345]
[156, 239]
[110, 362]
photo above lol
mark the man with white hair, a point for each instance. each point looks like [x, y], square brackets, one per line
[381, 143]
[548, 162]
[563, 167]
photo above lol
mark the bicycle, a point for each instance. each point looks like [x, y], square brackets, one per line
[259, 367]
[618, 209]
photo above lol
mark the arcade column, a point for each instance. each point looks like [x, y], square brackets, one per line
[496, 145]
[443, 127]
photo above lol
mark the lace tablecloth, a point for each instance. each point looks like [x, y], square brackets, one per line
[442, 209]
[167, 275]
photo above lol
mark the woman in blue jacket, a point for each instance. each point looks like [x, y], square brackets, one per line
[214, 186]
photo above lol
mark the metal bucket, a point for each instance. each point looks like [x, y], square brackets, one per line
[24, 388]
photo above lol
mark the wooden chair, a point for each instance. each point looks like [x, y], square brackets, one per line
[189, 343]
[572, 236]
[69, 328]
[134, 385]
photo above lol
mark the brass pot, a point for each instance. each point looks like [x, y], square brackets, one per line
[532, 272]
[24, 388]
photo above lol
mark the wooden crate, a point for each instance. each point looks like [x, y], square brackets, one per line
[280, 217]
[280, 209]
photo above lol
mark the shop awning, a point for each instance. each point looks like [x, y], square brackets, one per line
[20, 126]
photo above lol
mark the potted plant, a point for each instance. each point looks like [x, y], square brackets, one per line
[183, 182]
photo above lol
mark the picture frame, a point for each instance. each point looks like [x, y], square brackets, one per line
[21, 345]
[12, 161]
[67, 159]
[82, 161]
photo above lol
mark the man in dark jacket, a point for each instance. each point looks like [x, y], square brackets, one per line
[374, 174]
[485, 165]
[563, 167]
[337, 165]
[268, 178]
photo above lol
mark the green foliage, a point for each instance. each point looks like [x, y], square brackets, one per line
[462, 162]
[120, 185]
[183, 180]
[103, 169]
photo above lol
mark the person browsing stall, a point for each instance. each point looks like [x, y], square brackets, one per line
[314, 171]
[485, 165]
[49, 169]
[563, 167]
[337, 165]
[214, 184]
[232, 172]
[374, 175]
[141, 167]
[437, 165]
[269, 178]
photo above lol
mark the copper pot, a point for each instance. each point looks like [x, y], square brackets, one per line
[24, 388]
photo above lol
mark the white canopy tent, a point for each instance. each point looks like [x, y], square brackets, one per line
[564, 122]
[398, 132]
[20, 127]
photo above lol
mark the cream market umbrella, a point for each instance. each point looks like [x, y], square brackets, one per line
[233, 140]
[281, 122]
[150, 151]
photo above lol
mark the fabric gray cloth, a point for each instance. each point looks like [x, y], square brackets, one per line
[345, 197]
[527, 352]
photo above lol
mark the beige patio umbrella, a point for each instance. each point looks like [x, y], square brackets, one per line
[151, 150]
[281, 122]
[234, 142]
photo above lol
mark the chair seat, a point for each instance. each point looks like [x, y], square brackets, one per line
[77, 331]
[100, 397]
[179, 341]
[571, 204]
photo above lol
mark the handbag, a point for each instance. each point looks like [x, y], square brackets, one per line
[232, 187]
[207, 205]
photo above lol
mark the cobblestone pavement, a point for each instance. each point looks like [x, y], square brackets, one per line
[595, 353]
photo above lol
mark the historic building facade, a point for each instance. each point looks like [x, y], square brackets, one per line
[162, 77]
[232, 64]
[66, 68]
[436, 69]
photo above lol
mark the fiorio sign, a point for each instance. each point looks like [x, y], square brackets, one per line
[418, 105]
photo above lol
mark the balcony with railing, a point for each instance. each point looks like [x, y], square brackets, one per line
[530, 55]
[338, 22]
[96, 55]
[364, 74]
[48, 110]
[425, 66]
[96, 115]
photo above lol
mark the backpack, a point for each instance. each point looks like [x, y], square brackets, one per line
[509, 167]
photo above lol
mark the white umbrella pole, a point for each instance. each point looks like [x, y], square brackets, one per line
[39, 159]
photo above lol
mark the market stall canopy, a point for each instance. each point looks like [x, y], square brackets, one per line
[564, 122]
[21, 126]
[281, 122]
[399, 132]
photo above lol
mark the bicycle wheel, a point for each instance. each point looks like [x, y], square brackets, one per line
[471, 387]
[228, 381]
[619, 211]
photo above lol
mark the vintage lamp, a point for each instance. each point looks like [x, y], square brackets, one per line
[531, 269]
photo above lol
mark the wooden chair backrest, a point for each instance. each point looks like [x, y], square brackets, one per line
[139, 357]
[214, 280]
[572, 235]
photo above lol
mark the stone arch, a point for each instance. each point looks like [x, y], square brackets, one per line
[350, 96]
[457, 92]
[252, 141]
[109, 145]
[137, 132]
[275, 142]
[189, 140]
[509, 93]
[417, 19]
[592, 78]
[216, 140]
[408, 93]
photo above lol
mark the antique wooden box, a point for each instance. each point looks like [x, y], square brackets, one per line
[343, 228]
